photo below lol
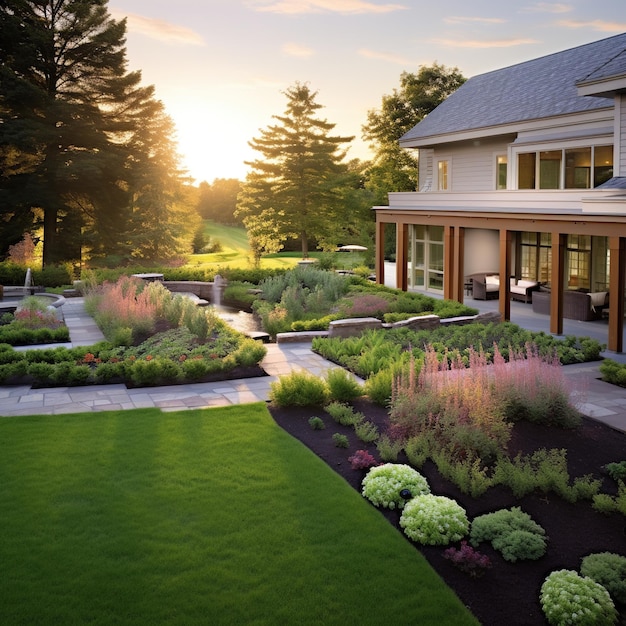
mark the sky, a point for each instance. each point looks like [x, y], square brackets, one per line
[221, 67]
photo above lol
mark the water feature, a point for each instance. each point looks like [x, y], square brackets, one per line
[28, 282]
[217, 291]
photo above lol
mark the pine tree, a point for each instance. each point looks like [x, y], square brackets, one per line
[293, 190]
[71, 119]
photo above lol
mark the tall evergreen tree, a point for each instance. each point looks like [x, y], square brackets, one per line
[70, 114]
[292, 190]
[394, 168]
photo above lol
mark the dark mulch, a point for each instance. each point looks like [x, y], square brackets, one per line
[508, 593]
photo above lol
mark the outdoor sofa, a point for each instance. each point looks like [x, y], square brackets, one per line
[487, 287]
[577, 305]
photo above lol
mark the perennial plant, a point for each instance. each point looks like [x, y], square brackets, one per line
[434, 520]
[384, 485]
[568, 598]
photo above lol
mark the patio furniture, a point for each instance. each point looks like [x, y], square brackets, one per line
[577, 305]
[486, 286]
[522, 290]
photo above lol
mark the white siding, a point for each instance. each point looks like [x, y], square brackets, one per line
[482, 251]
[425, 182]
[473, 164]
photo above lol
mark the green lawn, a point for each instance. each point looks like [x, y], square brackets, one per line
[197, 517]
[235, 252]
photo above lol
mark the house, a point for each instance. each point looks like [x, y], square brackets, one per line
[522, 174]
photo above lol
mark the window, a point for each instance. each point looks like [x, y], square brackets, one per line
[571, 168]
[426, 257]
[526, 170]
[442, 175]
[578, 261]
[535, 257]
[501, 171]
[602, 164]
[578, 168]
[550, 169]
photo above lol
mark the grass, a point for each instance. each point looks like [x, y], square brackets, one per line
[195, 517]
[235, 252]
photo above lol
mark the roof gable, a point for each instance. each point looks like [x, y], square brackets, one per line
[540, 88]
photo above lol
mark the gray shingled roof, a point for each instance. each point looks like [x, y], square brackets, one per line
[540, 88]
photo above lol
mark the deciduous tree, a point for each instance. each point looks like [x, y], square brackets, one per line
[394, 168]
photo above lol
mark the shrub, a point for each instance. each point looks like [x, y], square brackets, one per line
[469, 475]
[317, 423]
[417, 449]
[617, 471]
[250, 352]
[366, 431]
[512, 532]
[378, 387]
[468, 560]
[388, 448]
[344, 414]
[567, 598]
[341, 441]
[362, 459]
[299, 389]
[385, 485]
[609, 570]
[342, 386]
[434, 520]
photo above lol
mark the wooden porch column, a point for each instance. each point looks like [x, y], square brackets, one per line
[448, 262]
[454, 264]
[557, 282]
[616, 294]
[505, 273]
[402, 256]
[379, 267]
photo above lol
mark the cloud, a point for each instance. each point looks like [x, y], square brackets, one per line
[159, 29]
[345, 7]
[296, 50]
[548, 7]
[481, 20]
[384, 56]
[599, 25]
[483, 43]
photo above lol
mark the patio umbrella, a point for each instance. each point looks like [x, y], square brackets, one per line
[352, 247]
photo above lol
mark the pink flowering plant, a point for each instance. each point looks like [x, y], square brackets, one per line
[434, 520]
[467, 559]
[361, 460]
[388, 485]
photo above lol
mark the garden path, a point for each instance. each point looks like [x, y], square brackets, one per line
[600, 401]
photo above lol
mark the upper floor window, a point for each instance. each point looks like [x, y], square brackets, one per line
[501, 171]
[570, 168]
[443, 173]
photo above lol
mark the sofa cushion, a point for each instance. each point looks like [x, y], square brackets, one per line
[527, 283]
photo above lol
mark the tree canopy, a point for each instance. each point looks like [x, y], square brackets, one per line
[218, 201]
[394, 168]
[86, 152]
[296, 189]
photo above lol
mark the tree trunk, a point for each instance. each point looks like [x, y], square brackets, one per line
[49, 237]
[305, 245]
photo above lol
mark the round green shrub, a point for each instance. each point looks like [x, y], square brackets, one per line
[317, 423]
[434, 520]
[383, 485]
[609, 570]
[342, 385]
[299, 389]
[567, 598]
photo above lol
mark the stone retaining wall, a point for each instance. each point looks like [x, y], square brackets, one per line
[353, 327]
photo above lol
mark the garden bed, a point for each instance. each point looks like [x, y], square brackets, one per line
[508, 592]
